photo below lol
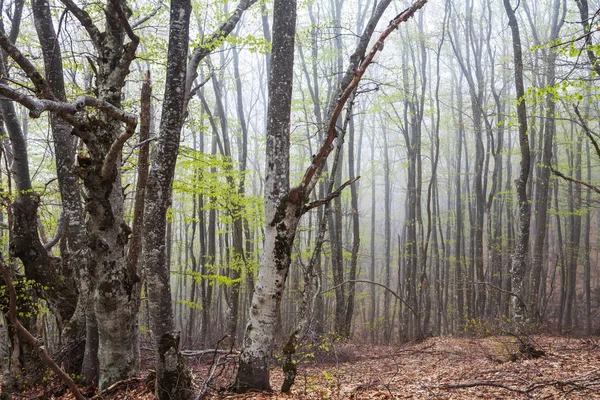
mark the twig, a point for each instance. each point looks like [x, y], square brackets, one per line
[498, 288]
[213, 368]
[393, 293]
[140, 144]
[584, 36]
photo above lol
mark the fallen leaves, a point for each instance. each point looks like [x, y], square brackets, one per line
[440, 368]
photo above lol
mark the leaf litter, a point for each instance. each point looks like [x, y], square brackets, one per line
[437, 368]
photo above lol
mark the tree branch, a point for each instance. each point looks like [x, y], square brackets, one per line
[568, 178]
[59, 231]
[147, 17]
[38, 106]
[498, 288]
[393, 293]
[467, 385]
[332, 196]
[314, 170]
[115, 149]
[587, 130]
[41, 85]
[207, 47]
[86, 21]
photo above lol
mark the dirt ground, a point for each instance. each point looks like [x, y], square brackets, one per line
[438, 368]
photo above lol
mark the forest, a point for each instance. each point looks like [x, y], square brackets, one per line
[315, 198]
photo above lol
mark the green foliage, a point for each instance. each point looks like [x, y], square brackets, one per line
[215, 177]
[477, 327]
[254, 44]
[213, 278]
[191, 304]
[28, 304]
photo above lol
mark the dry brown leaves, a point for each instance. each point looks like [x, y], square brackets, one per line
[428, 370]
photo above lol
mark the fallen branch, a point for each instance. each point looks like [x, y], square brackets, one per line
[589, 381]
[193, 353]
[29, 338]
[467, 385]
[215, 363]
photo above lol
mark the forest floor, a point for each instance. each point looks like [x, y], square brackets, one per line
[437, 368]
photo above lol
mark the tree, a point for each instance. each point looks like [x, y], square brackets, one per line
[522, 245]
[171, 379]
[285, 206]
[103, 134]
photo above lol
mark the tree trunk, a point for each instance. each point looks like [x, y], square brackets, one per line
[281, 212]
[519, 267]
[172, 380]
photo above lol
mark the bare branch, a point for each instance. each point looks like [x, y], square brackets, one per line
[147, 17]
[332, 196]
[138, 145]
[32, 73]
[38, 106]
[577, 39]
[314, 170]
[393, 293]
[59, 231]
[109, 109]
[115, 149]
[587, 130]
[85, 20]
[66, 110]
[498, 288]
[568, 178]
[207, 46]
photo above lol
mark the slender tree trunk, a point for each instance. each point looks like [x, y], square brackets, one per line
[171, 378]
[519, 267]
